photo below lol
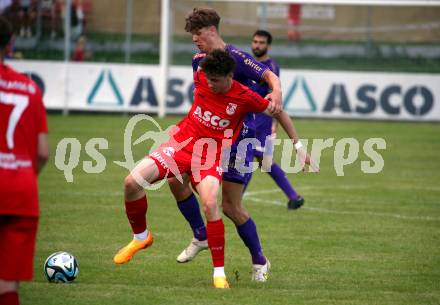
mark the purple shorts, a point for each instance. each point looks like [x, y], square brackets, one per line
[237, 169]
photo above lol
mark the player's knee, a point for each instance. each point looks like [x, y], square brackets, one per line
[130, 184]
[228, 209]
[209, 205]
[179, 190]
[210, 209]
[235, 212]
[174, 183]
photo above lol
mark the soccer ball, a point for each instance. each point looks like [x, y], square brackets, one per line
[61, 267]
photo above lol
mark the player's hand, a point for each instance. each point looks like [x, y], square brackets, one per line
[304, 158]
[276, 104]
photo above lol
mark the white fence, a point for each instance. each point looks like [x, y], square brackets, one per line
[321, 94]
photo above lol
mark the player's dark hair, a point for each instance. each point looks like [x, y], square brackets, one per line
[5, 32]
[200, 18]
[264, 33]
[218, 63]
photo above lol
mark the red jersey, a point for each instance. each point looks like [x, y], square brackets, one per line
[210, 116]
[213, 113]
[22, 118]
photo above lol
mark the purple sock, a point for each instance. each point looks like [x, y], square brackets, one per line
[280, 178]
[249, 235]
[190, 210]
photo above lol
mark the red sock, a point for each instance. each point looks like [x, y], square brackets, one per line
[216, 241]
[137, 214]
[9, 298]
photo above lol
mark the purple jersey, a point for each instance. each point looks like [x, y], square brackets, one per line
[261, 87]
[247, 72]
[264, 122]
[247, 69]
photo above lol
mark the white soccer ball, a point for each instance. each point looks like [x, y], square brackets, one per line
[61, 267]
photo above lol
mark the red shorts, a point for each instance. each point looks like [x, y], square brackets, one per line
[171, 161]
[17, 247]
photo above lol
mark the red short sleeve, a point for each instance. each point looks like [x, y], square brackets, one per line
[256, 103]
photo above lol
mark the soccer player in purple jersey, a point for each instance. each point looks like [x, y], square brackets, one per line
[265, 126]
[203, 25]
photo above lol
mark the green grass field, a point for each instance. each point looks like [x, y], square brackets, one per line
[359, 239]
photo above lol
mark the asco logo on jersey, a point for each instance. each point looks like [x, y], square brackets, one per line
[208, 117]
[362, 99]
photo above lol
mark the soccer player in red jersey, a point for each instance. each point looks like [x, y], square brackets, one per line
[203, 24]
[195, 149]
[23, 153]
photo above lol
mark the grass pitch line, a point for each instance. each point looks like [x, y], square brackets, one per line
[250, 196]
[321, 210]
[398, 216]
[251, 193]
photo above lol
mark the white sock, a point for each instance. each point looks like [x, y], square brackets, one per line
[219, 271]
[141, 236]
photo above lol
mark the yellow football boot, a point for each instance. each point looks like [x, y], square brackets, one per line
[221, 282]
[125, 254]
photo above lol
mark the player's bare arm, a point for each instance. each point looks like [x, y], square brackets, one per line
[287, 124]
[275, 95]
